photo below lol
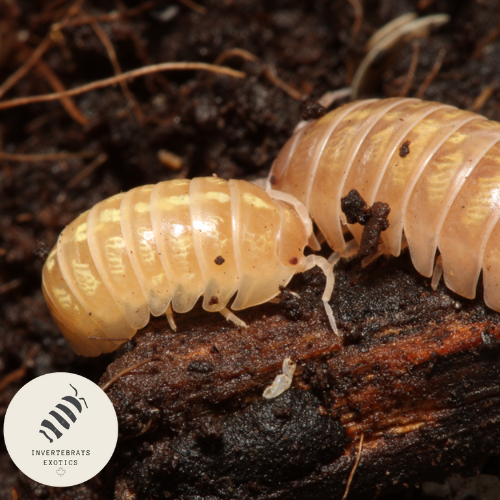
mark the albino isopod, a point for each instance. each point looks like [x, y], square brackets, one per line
[160, 247]
[438, 169]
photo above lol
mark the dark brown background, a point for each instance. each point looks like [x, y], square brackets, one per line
[215, 124]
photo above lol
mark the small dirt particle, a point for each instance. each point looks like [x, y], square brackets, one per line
[200, 366]
[404, 150]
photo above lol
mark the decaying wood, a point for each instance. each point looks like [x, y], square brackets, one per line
[417, 373]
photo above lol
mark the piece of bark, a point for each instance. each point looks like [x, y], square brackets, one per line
[417, 372]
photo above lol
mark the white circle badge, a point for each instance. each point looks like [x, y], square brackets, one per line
[60, 429]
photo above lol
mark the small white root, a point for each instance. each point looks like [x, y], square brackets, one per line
[438, 272]
[230, 316]
[282, 382]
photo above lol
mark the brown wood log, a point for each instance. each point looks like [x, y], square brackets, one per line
[417, 373]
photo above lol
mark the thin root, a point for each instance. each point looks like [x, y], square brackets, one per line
[47, 156]
[411, 72]
[430, 77]
[37, 53]
[57, 85]
[126, 371]
[244, 54]
[117, 69]
[481, 99]
[194, 6]
[351, 475]
[129, 75]
[358, 17]
[100, 160]
[271, 74]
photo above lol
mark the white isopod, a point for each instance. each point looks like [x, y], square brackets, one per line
[438, 169]
[160, 247]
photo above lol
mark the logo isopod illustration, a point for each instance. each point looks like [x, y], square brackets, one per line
[61, 420]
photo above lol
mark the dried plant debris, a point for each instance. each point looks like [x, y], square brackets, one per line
[418, 370]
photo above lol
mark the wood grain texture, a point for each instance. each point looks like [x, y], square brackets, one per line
[418, 374]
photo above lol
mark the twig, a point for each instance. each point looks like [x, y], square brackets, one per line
[430, 77]
[126, 371]
[37, 54]
[129, 75]
[194, 6]
[411, 72]
[118, 71]
[47, 156]
[102, 158]
[351, 475]
[57, 85]
[270, 73]
[358, 19]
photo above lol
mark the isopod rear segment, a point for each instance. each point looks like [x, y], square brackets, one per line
[161, 247]
[437, 167]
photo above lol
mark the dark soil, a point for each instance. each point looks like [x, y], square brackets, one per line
[212, 123]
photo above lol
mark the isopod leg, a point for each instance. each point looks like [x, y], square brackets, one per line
[327, 268]
[230, 316]
[170, 317]
[438, 272]
[351, 249]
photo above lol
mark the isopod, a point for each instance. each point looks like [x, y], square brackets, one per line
[162, 246]
[438, 169]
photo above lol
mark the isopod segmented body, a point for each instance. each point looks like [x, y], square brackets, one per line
[162, 246]
[437, 167]
[61, 419]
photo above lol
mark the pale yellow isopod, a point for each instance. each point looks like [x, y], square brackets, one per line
[160, 247]
[438, 169]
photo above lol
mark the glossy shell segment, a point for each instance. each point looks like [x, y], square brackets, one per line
[136, 253]
[437, 167]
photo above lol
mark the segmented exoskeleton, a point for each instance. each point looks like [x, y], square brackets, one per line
[438, 169]
[161, 247]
